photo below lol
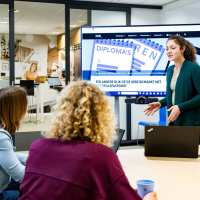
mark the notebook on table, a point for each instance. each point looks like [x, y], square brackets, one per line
[172, 141]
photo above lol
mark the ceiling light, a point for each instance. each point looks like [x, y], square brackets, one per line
[3, 22]
[74, 26]
[15, 11]
[56, 33]
[82, 21]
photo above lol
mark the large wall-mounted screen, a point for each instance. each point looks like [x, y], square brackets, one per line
[132, 60]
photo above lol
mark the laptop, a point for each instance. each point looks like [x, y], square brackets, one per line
[28, 85]
[54, 81]
[23, 140]
[172, 141]
[117, 142]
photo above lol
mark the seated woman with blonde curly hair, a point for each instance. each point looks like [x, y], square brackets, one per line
[74, 161]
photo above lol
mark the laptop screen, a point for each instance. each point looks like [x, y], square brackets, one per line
[172, 141]
[117, 142]
[54, 81]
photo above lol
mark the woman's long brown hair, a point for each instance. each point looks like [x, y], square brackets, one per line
[13, 106]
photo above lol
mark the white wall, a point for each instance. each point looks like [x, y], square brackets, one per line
[108, 18]
[141, 16]
[181, 12]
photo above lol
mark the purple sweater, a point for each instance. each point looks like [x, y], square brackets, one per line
[74, 170]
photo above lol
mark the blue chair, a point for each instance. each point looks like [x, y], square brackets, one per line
[162, 121]
[10, 195]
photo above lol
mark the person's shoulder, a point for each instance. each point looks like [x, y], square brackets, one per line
[97, 150]
[191, 64]
[38, 143]
[104, 158]
[100, 148]
[171, 67]
[4, 134]
[46, 142]
[192, 67]
[104, 153]
[5, 140]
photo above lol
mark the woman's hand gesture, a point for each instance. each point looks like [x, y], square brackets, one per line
[152, 108]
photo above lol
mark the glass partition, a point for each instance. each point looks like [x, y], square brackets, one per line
[39, 39]
[78, 18]
[4, 49]
[40, 55]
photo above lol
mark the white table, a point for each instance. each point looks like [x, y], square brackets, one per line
[175, 178]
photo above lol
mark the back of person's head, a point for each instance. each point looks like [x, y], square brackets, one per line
[13, 105]
[84, 112]
[189, 52]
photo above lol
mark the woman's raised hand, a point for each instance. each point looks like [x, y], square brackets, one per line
[152, 108]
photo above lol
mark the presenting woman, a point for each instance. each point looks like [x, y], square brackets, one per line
[75, 161]
[183, 85]
[13, 105]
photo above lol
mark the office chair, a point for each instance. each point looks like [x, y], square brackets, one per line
[162, 121]
[29, 86]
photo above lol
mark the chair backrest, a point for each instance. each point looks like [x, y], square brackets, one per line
[163, 116]
[120, 134]
[28, 85]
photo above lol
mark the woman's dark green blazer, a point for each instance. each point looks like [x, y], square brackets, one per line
[187, 94]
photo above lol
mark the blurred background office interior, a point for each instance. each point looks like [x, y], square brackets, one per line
[47, 34]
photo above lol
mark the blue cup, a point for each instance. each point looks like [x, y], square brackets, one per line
[144, 187]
